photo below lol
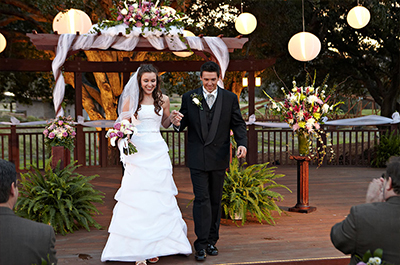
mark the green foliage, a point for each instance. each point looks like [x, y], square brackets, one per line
[369, 258]
[250, 190]
[61, 197]
[389, 145]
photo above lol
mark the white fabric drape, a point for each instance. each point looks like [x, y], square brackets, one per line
[108, 39]
[370, 120]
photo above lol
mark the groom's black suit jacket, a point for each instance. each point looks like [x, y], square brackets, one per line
[209, 140]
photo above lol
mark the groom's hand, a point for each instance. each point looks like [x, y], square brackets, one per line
[241, 152]
[176, 118]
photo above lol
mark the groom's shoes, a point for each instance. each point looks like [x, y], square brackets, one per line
[212, 250]
[200, 255]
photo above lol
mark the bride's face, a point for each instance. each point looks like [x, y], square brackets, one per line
[149, 82]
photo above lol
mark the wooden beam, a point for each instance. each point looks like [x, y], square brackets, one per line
[31, 65]
[50, 41]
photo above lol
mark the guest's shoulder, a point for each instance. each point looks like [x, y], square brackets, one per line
[33, 224]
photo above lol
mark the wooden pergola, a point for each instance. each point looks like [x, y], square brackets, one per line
[50, 42]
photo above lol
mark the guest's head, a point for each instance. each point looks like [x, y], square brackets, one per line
[8, 184]
[209, 75]
[393, 175]
[149, 84]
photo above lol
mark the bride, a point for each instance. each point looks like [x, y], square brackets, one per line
[146, 222]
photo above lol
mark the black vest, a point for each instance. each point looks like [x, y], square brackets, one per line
[209, 114]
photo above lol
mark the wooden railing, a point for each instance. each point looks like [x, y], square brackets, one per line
[351, 147]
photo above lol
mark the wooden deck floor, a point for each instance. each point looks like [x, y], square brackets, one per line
[296, 236]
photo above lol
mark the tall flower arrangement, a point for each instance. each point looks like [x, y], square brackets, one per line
[60, 132]
[143, 14]
[305, 109]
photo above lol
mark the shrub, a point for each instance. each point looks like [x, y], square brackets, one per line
[61, 197]
[389, 145]
[249, 190]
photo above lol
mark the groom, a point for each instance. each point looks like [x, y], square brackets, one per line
[209, 113]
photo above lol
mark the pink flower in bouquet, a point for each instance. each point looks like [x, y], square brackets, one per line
[65, 134]
[139, 24]
[120, 134]
[117, 126]
[60, 123]
[46, 132]
[73, 133]
[51, 135]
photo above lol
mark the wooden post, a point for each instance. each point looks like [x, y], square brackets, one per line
[13, 147]
[103, 148]
[252, 148]
[302, 186]
[80, 146]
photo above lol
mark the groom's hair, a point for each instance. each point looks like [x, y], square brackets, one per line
[210, 67]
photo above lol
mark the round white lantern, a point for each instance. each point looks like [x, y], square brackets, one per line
[304, 46]
[358, 17]
[72, 21]
[245, 23]
[3, 43]
[186, 33]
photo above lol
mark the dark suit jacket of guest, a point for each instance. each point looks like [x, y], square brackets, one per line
[368, 227]
[208, 148]
[24, 242]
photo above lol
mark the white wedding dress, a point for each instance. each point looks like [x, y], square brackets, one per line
[147, 221]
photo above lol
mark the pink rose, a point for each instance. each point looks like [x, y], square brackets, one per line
[73, 133]
[60, 123]
[65, 134]
[51, 135]
[139, 24]
[117, 126]
[45, 132]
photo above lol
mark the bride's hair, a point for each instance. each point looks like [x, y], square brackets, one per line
[157, 94]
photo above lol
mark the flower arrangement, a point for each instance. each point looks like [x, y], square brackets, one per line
[372, 259]
[196, 100]
[143, 14]
[123, 130]
[59, 132]
[305, 108]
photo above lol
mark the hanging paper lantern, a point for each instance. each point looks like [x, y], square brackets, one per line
[72, 21]
[304, 46]
[358, 17]
[3, 43]
[258, 81]
[186, 33]
[245, 23]
[245, 82]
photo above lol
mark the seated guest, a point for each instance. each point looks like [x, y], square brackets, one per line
[22, 241]
[375, 224]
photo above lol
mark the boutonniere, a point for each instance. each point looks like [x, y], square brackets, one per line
[196, 99]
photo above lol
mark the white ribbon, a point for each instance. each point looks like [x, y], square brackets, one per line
[122, 143]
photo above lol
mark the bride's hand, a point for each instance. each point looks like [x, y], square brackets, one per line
[176, 117]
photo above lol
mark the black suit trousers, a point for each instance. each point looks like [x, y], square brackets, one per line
[207, 188]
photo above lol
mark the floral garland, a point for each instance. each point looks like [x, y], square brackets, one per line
[143, 14]
[59, 132]
[304, 109]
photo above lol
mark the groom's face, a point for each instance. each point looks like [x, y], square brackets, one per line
[210, 80]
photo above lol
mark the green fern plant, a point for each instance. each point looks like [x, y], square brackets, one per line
[249, 189]
[61, 197]
[389, 145]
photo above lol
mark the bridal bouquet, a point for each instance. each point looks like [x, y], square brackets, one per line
[59, 132]
[123, 131]
[143, 14]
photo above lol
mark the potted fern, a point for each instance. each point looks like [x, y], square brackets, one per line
[59, 197]
[249, 189]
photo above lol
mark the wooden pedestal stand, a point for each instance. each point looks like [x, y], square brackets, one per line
[60, 153]
[302, 186]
